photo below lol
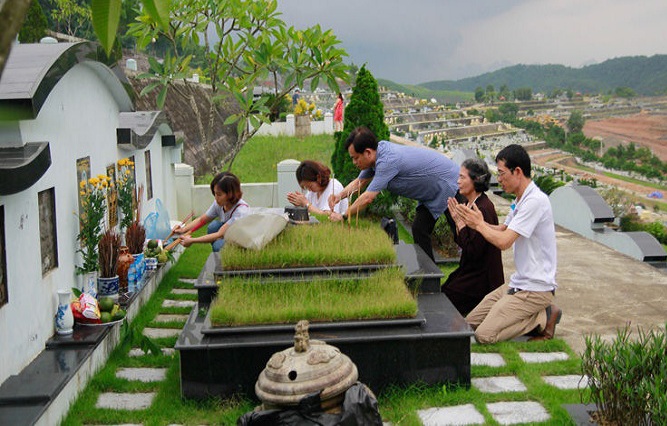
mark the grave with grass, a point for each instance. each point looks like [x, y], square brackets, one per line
[379, 303]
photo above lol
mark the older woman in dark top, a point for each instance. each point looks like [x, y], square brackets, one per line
[480, 270]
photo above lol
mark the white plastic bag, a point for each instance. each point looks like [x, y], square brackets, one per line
[256, 230]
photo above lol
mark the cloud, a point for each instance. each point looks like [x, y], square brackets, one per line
[426, 40]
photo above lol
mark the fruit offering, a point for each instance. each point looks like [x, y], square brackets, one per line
[109, 310]
[153, 248]
[88, 310]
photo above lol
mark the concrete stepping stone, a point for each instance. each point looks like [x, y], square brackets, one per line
[145, 375]
[135, 352]
[538, 357]
[191, 281]
[572, 381]
[491, 360]
[510, 413]
[499, 384]
[171, 317]
[183, 291]
[456, 415]
[168, 303]
[125, 401]
[157, 333]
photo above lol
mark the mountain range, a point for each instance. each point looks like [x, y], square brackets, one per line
[644, 75]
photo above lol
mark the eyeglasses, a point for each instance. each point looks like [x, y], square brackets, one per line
[502, 173]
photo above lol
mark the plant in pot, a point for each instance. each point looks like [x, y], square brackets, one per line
[627, 377]
[109, 245]
[302, 113]
[135, 235]
[125, 187]
[93, 193]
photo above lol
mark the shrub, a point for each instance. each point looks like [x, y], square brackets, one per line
[364, 109]
[35, 24]
[547, 183]
[628, 377]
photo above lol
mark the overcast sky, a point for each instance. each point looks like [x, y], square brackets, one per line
[415, 41]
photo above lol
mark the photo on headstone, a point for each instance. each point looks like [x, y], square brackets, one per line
[82, 176]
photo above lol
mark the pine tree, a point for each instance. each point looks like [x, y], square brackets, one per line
[364, 109]
[35, 24]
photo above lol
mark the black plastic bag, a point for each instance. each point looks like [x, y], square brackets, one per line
[360, 408]
[389, 226]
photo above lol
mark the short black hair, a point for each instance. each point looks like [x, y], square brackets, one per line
[479, 173]
[362, 138]
[515, 156]
[229, 184]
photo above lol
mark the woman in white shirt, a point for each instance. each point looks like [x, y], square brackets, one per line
[315, 179]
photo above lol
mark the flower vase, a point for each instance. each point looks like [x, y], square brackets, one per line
[89, 283]
[108, 287]
[123, 263]
[64, 317]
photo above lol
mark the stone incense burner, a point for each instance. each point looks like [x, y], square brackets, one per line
[309, 367]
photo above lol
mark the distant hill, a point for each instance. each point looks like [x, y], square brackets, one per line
[645, 75]
[420, 92]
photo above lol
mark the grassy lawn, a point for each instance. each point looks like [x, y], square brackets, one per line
[398, 405]
[636, 181]
[257, 161]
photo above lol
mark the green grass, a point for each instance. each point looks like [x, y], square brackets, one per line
[257, 161]
[243, 301]
[636, 181]
[327, 243]
[398, 405]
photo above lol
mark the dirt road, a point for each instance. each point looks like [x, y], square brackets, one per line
[645, 129]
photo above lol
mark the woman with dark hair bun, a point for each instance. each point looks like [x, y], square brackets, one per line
[480, 269]
[315, 178]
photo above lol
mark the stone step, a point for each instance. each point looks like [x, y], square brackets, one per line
[168, 303]
[456, 415]
[490, 360]
[171, 317]
[157, 333]
[539, 357]
[145, 375]
[498, 384]
[135, 352]
[125, 401]
[505, 413]
[571, 381]
[190, 281]
[184, 291]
